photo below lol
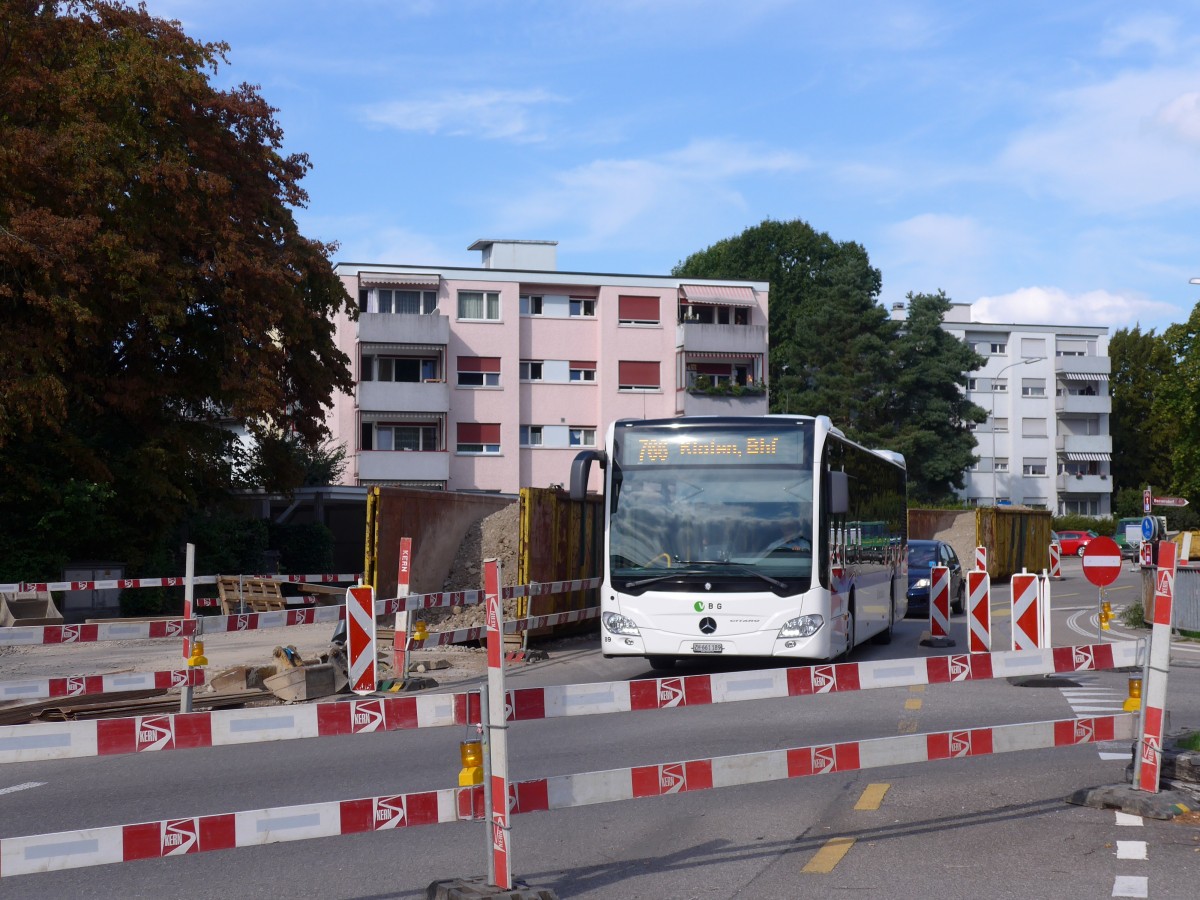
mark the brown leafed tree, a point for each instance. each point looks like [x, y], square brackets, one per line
[154, 285]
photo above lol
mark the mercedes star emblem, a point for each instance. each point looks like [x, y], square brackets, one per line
[708, 625]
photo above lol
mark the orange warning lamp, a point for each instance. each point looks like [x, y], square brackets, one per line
[197, 658]
[419, 631]
[471, 753]
[1134, 703]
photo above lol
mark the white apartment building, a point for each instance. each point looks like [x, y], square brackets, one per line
[1046, 443]
[493, 378]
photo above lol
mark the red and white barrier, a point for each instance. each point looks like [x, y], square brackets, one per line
[1149, 757]
[219, 728]
[82, 685]
[979, 611]
[1026, 611]
[1055, 560]
[31, 635]
[199, 834]
[1045, 639]
[981, 559]
[174, 581]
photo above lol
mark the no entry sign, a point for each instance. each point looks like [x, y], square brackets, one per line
[1101, 561]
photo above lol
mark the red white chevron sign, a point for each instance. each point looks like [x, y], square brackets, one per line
[360, 638]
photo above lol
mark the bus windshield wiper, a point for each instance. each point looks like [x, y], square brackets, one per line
[692, 563]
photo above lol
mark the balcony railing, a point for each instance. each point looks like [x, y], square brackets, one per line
[403, 396]
[403, 465]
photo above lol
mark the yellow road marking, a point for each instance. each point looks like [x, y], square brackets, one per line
[916, 688]
[908, 726]
[912, 703]
[828, 856]
[872, 796]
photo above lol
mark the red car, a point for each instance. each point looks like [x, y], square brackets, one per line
[1073, 542]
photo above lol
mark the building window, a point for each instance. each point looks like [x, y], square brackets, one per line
[1031, 427]
[1035, 467]
[582, 370]
[531, 370]
[999, 424]
[999, 385]
[637, 376]
[637, 310]
[583, 306]
[531, 305]
[531, 435]
[409, 369]
[972, 384]
[1001, 463]
[583, 437]
[474, 437]
[479, 371]
[1033, 387]
[997, 349]
[483, 305]
[400, 302]
[399, 437]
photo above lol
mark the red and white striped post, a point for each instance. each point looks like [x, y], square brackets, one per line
[939, 608]
[1155, 692]
[979, 611]
[1026, 611]
[1055, 559]
[1044, 638]
[981, 559]
[500, 867]
[189, 612]
[403, 581]
[360, 638]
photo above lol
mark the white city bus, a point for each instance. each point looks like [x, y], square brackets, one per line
[744, 536]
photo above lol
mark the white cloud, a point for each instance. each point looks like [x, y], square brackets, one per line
[605, 198]
[1129, 143]
[937, 241]
[486, 114]
[1055, 306]
[1154, 31]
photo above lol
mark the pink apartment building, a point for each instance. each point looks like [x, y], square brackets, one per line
[493, 378]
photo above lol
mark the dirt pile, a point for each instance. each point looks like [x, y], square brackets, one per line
[494, 537]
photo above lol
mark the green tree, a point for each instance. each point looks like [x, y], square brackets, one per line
[1142, 432]
[154, 285]
[1178, 405]
[831, 341]
[931, 414]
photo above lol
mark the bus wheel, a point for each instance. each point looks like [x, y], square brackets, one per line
[662, 663]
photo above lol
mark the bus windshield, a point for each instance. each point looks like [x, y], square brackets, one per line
[713, 502]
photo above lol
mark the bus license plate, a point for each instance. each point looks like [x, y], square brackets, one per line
[707, 648]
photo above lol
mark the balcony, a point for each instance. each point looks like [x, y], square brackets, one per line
[403, 465]
[395, 328]
[695, 337]
[1084, 484]
[1066, 366]
[403, 396]
[1084, 443]
[697, 404]
[1079, 403]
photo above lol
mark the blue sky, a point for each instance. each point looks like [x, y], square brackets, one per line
[1041, 160]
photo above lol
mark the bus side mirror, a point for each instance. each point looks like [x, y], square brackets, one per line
[581, 467]
[839, 493]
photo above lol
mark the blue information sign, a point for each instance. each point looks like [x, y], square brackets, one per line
[1148, 528]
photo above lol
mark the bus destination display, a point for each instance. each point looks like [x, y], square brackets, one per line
[712, 448]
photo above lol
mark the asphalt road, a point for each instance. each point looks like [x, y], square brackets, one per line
[989, 827]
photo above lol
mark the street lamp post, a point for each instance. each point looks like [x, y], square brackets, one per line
[783, 378]
[995, 378]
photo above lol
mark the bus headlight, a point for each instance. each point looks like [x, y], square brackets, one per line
[801, 627]
[619, 624]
